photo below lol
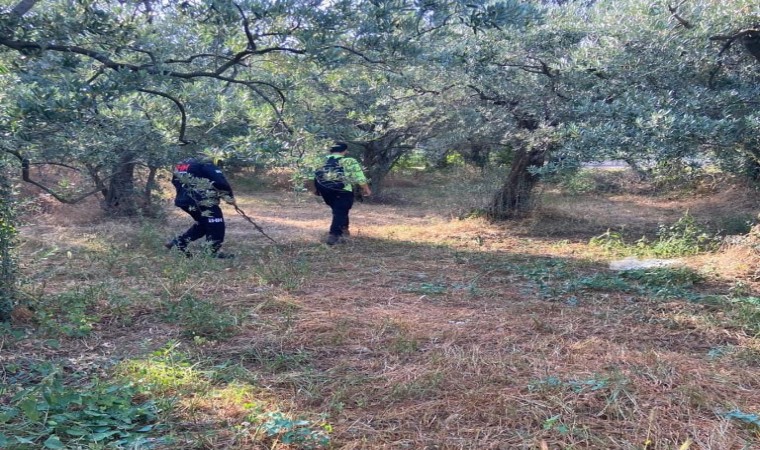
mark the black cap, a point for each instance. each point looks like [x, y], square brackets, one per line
[339, 147]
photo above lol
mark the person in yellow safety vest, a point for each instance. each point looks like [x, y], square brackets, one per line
[334, 181]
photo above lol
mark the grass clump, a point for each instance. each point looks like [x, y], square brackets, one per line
[685, 237]
[165, 373]
[275, 269]
[69, 314]
[555, 280]
[744, 312]
[202, 318]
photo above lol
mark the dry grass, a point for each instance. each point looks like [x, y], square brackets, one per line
[425, 331]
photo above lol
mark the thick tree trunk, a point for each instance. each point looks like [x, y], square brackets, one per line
[479, 155]
[752, 168]
[752, 44]
[120, 197]
[379, 158]
[640, 172]
[514, 198]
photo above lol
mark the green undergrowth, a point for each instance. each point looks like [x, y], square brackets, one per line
[171, 377]
[142, 403]
[573, 284]
[55, 413]
[557, 280]
[685, 237]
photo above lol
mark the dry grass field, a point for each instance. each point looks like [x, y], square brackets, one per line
[430, 329]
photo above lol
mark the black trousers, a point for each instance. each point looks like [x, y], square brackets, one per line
[340, 202]
[209, 222]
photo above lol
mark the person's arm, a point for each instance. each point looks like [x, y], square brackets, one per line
[219, 183]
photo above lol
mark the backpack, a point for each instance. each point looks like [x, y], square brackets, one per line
[331, 175]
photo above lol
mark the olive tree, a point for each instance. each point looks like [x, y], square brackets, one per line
[104, 87]
[663, 86]
[400, 86]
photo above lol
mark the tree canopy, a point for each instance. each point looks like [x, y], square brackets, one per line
[110, 89]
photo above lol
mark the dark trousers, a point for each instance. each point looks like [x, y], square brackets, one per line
[209, 222]
[340, 202]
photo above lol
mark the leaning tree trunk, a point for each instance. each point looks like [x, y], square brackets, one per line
[514, 198]
[151, 186]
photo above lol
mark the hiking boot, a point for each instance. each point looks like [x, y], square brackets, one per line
[346, 232]
[170, 244]
[333, 239]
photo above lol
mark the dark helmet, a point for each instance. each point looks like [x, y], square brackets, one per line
[339, 147]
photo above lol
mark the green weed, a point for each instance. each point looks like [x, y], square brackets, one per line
[660, 277]
[745, 314]
[202, 318]
[52, 415]
[580, 182]
[277, 270]
[685, 237]
[421, 387]
[297, 432]
[555, 423]
[552, 383]
[183, 275]
[278, 360]
[556, 280]
[167, 371]
[70, 314]
[426, 288]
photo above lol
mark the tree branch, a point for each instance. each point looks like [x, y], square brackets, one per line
[674, 12]
[730, 39]
[749, 33]
[27, 178]
[247, 28]
[541, 68]
[23, 7]
[182, 112]
[360, 54]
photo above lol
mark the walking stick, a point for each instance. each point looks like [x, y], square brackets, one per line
[260, 230]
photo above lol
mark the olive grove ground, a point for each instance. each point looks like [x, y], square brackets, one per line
[430, 329]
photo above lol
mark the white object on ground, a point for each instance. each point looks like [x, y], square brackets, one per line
[631, 263]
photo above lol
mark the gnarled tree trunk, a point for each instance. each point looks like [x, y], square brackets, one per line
[379, 158]
[515, 196]
[120, 197]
